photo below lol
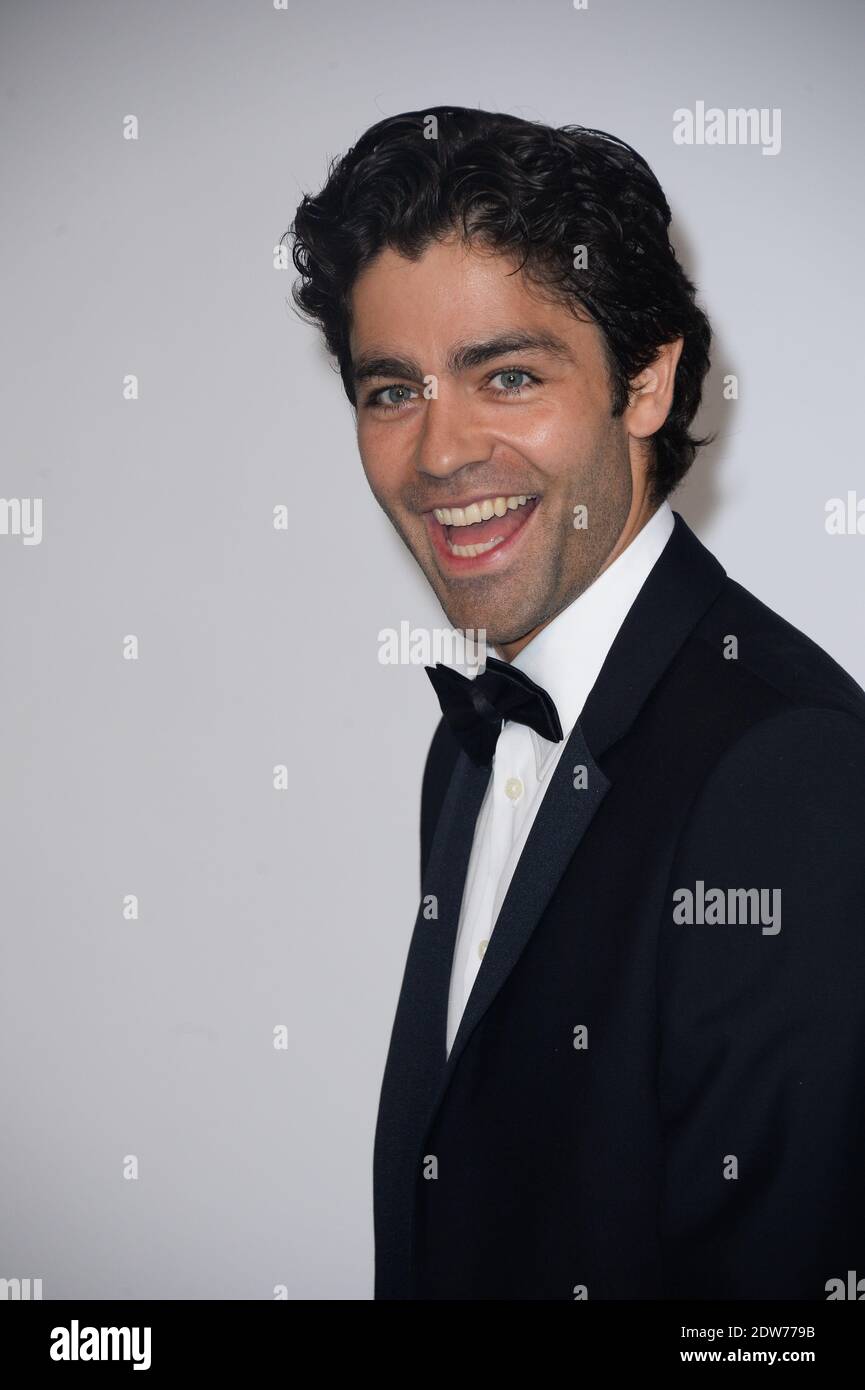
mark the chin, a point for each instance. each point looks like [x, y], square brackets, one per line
[497, 631]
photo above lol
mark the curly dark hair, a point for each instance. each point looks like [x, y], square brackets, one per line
[530, 191]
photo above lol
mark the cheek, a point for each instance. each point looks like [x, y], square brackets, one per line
[376, 455]
[388, 453]
[558, 427]
[556, 444]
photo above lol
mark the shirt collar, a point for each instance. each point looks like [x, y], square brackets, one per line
[566, 656]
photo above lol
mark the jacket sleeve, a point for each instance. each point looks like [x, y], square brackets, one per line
[762, 1023]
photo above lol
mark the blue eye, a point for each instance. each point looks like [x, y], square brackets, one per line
[511, 386]
[379, 398]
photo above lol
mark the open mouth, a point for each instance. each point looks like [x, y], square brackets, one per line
[483, 527]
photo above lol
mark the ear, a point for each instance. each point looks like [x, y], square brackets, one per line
[651, 393]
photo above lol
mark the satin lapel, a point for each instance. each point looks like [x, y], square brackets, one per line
[417, 1053]
[576, 790]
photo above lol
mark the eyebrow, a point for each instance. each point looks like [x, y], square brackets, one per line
[463, 357]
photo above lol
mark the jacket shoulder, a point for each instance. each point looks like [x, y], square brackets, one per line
[770, 650]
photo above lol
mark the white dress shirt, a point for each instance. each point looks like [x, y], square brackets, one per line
[565, 657]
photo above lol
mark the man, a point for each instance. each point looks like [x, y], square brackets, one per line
[628, 1059]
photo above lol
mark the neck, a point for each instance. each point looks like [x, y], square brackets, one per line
[641, 513]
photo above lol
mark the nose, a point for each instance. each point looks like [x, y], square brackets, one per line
[452, 436]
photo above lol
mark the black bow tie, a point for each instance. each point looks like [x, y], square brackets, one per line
[476, 707]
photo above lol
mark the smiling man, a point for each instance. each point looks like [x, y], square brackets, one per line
[608, 1077]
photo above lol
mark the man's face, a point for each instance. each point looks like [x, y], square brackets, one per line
[498, 423]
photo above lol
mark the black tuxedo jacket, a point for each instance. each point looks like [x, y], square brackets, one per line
[636, 1106]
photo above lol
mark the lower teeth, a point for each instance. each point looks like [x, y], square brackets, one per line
[475, 549]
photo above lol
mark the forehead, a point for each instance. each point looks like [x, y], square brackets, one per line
[452, 292]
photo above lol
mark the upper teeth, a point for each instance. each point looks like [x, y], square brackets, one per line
[480, 511]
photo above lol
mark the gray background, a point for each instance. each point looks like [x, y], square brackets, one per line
[258, 647]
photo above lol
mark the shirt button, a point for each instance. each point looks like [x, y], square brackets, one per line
[513, 788]
[482, 946]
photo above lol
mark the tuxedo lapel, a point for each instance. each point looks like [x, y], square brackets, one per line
[576, 790]
[681, 586]
[418, 1045]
